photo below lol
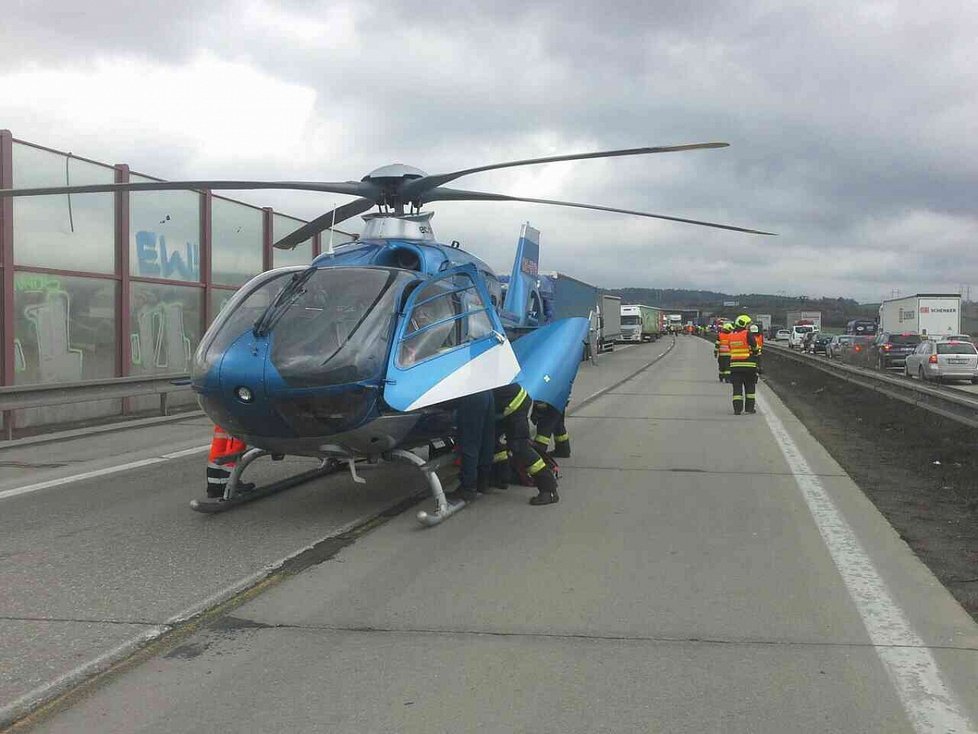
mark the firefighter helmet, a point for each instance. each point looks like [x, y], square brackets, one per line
[743, 320]
[728, 326]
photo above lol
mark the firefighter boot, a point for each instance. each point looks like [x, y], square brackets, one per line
[562, 446]
[546, 488]
[500, 470]
[482, 480]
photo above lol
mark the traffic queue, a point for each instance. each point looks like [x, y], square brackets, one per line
[929, 358]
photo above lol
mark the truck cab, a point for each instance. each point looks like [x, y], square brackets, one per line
[631, 323]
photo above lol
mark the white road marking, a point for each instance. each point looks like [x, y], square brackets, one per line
[17, 491]
[187, 452]
[929, 704]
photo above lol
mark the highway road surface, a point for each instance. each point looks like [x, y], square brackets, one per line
[703, 572]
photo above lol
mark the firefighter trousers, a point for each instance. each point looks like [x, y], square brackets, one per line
[744, 381]
[550, 426]
[515, 426]
[723, 365]
[475, 419]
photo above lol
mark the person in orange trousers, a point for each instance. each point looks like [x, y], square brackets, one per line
[218, 471]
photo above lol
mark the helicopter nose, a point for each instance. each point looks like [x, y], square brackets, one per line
[240, 403]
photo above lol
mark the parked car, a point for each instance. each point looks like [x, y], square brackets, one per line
[890, 350]
[838, 344]
[782, 336]
[855, 352]
[943, 360]
[820, 343]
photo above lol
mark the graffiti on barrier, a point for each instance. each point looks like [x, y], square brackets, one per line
[155, 258]
[160, 340]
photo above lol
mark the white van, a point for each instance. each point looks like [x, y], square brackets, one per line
[798, 332]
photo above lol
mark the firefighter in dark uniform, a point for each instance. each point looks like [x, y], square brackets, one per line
[743, 366]
[475, 419]
[513, 406]
[722, 351]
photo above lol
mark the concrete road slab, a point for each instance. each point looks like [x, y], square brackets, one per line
[689, 557]
[314, 681]
[131, 549]
[33, 652]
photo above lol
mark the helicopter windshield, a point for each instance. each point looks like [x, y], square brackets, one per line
[238, 316]
[338, 329]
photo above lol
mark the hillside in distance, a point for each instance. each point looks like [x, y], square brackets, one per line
[835, 311]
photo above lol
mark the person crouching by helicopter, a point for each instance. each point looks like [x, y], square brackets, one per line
[220, 466]
[475, 421]
[513, 405]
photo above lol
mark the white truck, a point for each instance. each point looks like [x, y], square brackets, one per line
[609, 322]
[927, 314]
[639, 323]
[804, 317]
[674, 323]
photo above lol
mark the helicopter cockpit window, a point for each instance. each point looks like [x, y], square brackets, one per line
[238, 316]
[446, 314]
[339, 329]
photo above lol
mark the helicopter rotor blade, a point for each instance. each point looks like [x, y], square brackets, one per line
[418, 186]
[445, 194]
[324, 222]
[354, 188]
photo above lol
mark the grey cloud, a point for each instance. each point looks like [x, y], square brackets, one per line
[844, 120]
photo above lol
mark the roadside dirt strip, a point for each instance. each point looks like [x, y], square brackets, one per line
[100, 554]
[702, 572]
[919, 469]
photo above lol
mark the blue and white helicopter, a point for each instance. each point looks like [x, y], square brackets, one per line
[359, 356]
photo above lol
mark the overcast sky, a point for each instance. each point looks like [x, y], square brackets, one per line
[851, 124]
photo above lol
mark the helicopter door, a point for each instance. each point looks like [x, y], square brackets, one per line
[449, 342]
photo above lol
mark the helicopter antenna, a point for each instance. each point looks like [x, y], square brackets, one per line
[330, 250]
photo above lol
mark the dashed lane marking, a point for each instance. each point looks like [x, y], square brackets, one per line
[929, 704]
[37, 487]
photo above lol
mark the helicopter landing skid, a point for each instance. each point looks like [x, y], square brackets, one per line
[234, 497]
[443, 508]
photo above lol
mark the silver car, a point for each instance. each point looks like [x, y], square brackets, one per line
[839, 344]
[943, 360]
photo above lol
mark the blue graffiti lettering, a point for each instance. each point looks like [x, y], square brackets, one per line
[146, 255]
[155, 260]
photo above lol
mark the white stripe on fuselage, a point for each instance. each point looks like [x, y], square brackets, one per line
[493, 368]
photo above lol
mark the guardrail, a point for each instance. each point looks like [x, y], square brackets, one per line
[17, 397]
[957, 406]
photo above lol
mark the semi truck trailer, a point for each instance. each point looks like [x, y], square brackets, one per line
[927, 314]
[609, 322]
